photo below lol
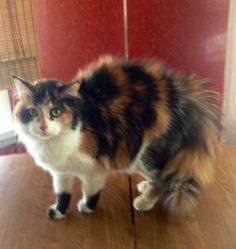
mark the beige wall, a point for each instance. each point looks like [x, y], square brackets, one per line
[229, 106]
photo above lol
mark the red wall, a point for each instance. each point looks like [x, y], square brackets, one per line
[71, 33]
[189, 35]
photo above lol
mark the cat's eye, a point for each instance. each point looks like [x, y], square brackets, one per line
[33, 112]
[56, 112]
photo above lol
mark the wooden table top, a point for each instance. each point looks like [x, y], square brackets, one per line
[26, 193]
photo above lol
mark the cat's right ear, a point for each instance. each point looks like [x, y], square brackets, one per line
[24, 87]
[72, 89]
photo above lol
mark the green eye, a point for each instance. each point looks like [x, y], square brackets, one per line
[33, 112]
[56, 112]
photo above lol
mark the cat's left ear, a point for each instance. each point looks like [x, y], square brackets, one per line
[24, 87]
[72, 89]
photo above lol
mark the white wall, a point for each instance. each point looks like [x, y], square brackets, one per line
[5, 109]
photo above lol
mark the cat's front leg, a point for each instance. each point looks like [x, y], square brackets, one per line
[91, 188]
[62, 185]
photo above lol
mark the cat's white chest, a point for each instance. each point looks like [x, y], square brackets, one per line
[60, 153]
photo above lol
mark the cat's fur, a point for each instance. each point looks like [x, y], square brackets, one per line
[122, 116]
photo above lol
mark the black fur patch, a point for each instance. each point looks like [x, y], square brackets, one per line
[92, 119]
[93, 200]
[25, 116]
[41, 89]
[134, 133]
[138, 121]
[113, 124]
[39, 94]
[63, 202]
[52, 214]
[99, 89]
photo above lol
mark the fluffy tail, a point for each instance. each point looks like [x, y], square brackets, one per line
[180, 194]
[191, 169]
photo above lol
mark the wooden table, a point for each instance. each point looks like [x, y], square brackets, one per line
[25, 194]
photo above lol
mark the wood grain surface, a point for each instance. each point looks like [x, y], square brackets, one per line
[26, 192]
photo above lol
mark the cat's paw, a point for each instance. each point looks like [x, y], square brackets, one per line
[141, 186]
[54, 213]
[82, 207]
[142, 203]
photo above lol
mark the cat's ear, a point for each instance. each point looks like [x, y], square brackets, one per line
[24, 87]
[72, 89]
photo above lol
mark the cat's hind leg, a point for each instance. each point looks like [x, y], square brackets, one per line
[149, 196]
[62, 185]
[148, 189]
[141, 186]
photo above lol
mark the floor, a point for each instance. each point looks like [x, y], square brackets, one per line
[25, 194]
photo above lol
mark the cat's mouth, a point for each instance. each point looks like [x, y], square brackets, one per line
[44, 136]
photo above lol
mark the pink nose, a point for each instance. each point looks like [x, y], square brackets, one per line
[43, 127]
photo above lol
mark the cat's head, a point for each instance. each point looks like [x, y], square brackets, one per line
[46, 108]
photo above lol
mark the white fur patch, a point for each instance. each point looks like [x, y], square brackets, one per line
[82, 207]
[143, 203]
[58, 153]
[141, 186]
[62, 182]
[58, 214]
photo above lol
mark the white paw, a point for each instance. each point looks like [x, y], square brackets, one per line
[82, 207]
[141, 186]
[54, 213]
[142, 203]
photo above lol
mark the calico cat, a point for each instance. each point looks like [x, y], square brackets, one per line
[118, 115]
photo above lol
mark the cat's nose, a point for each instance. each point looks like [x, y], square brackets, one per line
[43, 127]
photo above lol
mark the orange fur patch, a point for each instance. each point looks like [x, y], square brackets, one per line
[88, 143]
[122, 156]
[163, 115]
[65, 118]
[105, 163]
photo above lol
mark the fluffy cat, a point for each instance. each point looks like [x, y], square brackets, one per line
[118, 115]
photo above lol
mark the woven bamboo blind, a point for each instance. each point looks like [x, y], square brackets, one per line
[18, 47]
